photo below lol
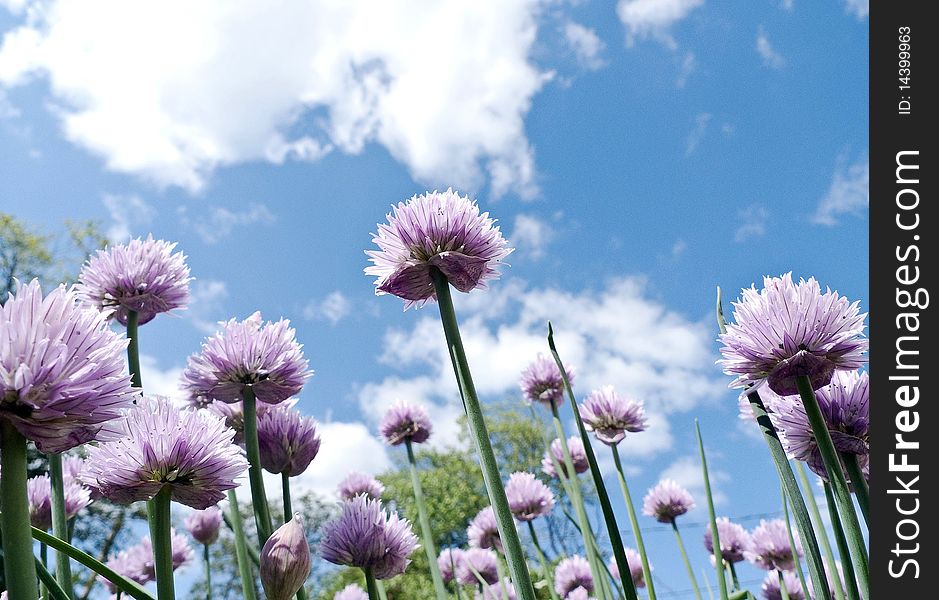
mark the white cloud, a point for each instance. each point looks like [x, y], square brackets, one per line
[207, 304]
[159, 381]
[697, 134]
[333, 308]
[771, 58]
[653, 354]
[687, 472]
[444, 88]
[128, 215]
[653, 18]
[787, 4]
[221, 221]
[531, 236]
[586, 44]
[678, 248]
[859, 8]
[7, 110]
[849, 192]
[687, 67]
[752, 222]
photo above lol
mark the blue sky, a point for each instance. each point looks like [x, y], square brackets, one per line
[636, 155]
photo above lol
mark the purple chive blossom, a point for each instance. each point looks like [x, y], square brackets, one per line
[528, 497]
[357, 483]
[351, 592]
[130, 563]
[787, 330]
[483, 530]
[367, 537]
[635, 567]
[265, 356]
[609, 416]
[405, 423]
[182, 554]
[448, 562]
[666, 501]
[572, 573]
[435, 230]
[142, 275]
[234, 413]
[204, 525]
[478, 563]
[769, 546]
[735, 541]
[578, 457]
[39, 494]
[288, 441]
[770, 587]
[62, 369]
[541, 382]
[845, 406]
[500, 590]
[190, 451]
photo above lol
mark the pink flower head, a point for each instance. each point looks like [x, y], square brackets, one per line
[609, 416]
[542, 383]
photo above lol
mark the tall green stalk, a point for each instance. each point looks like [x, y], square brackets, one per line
[262, 512]
[427, 532]
[285, 489]
[19, 565]
[616, 540]
[684, 557]
[634, 521]
[819, 524]
[241, 547]
[480, 435]
[208, 571]
[370, 585]
[838, 483]
[861, 491]
[783, 591]
[548, 575]
[792, 544]
[63, 571]
[712, 517]
[850, 580]
[162, 543]
[133, 349]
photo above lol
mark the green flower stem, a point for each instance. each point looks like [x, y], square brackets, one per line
[51, 587]
[637, 533]
[132, 589]
[850, 581]
[616, 540]
[830, 563]
[838, 483]
[712, 518]
[684, 556]
[208, 571]
[733, 575]
[19, 566]
[861, 491]
[792, 544]
[800, 512]
[480, 434]
[370, 585]
[783, 592]
[262, 513]
[500, 570]
[548, 574]
[241, 547]
[380, 586]
[285, 489]
[162, 544]
[133, 349]
[63, 571]
[42, 566]
[707, 583]
[427, 532]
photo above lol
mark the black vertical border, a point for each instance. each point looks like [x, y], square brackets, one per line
[903, 260]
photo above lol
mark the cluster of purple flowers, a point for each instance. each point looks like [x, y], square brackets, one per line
[137, 562]
[39, 494]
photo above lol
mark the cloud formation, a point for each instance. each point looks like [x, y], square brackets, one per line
[848, 194]
[239, 82]
[653, 18]
[771, 58]
[586, 44]
[752, 222]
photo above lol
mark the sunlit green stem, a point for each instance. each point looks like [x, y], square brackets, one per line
[63, 571]
[684, 556]
[783, 590]
[712, 518]
[208, 571]
[839, 485]
[236, 523]
[262, 512]
[830, 563]
[18, 562]
[370, 585]
[427, 533]
[477, 426]
[49, 586]
[733, 575]
[792, 544]
[548, 574]
[859, 483]
[162, 544]
[380, 586]
[634, 521]
[850, 581]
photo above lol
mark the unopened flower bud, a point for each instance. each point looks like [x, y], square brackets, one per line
[285, 560]
[204, 525]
